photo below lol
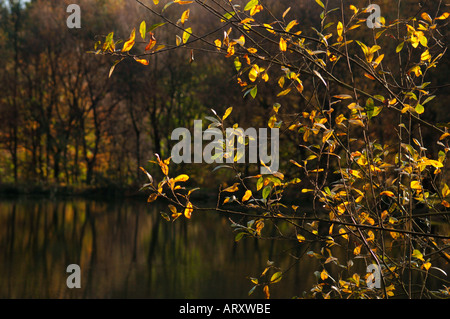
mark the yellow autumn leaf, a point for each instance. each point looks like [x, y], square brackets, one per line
[181, 178]
[152, 197]
[227, 113]
[340, 28]
[240, 41]
[445, 191]
[272, 121]
[232, 188]
[417, 254]
[324, 275]
[185, 16]
[186, 34]
[426, 56]
[256, 9]
[266, 292]
[130, 43]
[388, 193]
[284, 92]
[416, 185]
[247, 20]
[142, 61]
[326, 135]
[291, 24]
[283, 45]
[394, 235]
[247, 195]
[343, 233]
[218, 44]
[443, 16]
[427, 265]
[357, 250]
[156, 2]
[188, 210]
[300, 238]
[253, 74]
[434, 163]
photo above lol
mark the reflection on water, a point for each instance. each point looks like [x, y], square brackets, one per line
[127, 250]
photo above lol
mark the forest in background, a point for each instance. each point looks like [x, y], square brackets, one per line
[64, 122]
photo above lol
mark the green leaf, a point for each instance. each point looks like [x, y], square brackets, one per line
[399, 47]
[254, 91]
[417, 254]
[428, 99]
[165, 216]
[237, 64]
[143, 29]
[227, 16]
[239, 236]
[259, 183]
[250, 5]
[156, 25]
[276, 277]
[266, 191]
[419, 108]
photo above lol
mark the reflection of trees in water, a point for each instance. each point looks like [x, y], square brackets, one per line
[125, 249]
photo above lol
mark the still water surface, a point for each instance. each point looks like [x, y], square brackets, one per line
[127, 250]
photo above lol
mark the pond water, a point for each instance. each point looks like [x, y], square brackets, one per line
[125, 249]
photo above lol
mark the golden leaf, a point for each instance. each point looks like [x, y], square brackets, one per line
[232, 188]
[227, 113]
[152, 197]
[181, 178]
[426, 56]
[416, 185]
[388, 193]
[340, 28]
[142, 61]
[253, 74]
[284, 92]
[443, 16]
[130, 43]
[291, 24]
[343, 233]
[218, 44]
[185, 16]
[283, 45]
[247, 195]
[266, 292]
[188, 210]
[324, 275]
[186, 34]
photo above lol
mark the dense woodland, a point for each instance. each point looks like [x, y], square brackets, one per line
[65, 122]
